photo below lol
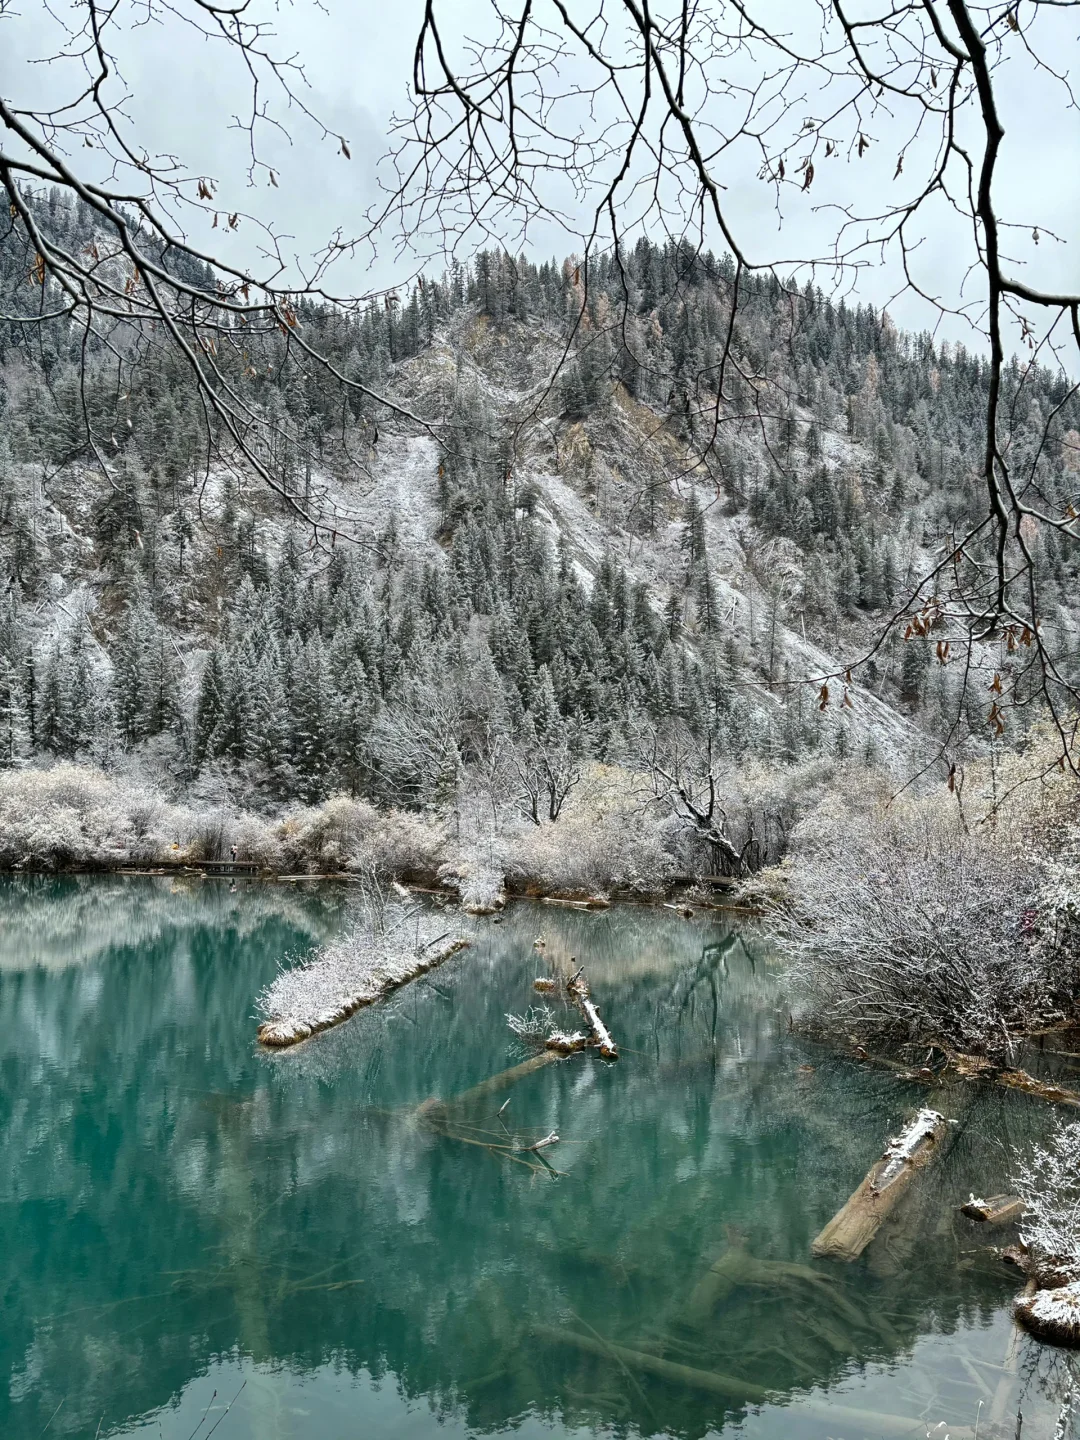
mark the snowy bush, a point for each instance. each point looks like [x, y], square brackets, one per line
[908, 921]
[77, 816]
[1049, 1185]
[478, 879]
[348, 834]
[605, 838]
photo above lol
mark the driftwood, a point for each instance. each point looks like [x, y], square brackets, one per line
[276, 1034]
[850, 1231]
[998, 1210]
[728, 1386]
[591, 902]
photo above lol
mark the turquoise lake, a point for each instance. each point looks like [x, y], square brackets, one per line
[196, 1236]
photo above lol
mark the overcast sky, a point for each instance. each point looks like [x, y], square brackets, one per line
[357, 59]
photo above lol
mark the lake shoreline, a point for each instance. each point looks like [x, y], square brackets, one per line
[694, 890]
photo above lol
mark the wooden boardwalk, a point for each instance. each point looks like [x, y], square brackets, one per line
[198, 867]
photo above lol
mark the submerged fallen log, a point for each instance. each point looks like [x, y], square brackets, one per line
[1041, 1089]
[729, 1387]
[850, 1231]
[280, 1031]
[737, 1268]
[493, 1085]
[998, 1210]
[979, 1067]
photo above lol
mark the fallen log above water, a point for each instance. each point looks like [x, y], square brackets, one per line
[742, 1392]
[279, 1031]
[850, 1231]
[998, 1210]
[577, 988]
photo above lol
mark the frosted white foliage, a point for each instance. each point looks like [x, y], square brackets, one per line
[534, 1026]
[906, 922]
[388, 945]
[478, 879]
[78, 816]
[352, 835]
[1059, 892]
[1049, 1185]
[605, 837]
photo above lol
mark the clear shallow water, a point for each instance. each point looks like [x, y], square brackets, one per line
[186, 1222]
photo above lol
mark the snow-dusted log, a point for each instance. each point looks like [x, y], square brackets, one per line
[850, 1231]
[1052, 1315]
[577, 988]
[297, 1000]
[566, 1042]
[997, 1210]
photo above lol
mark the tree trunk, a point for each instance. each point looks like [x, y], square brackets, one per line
[850, 1231]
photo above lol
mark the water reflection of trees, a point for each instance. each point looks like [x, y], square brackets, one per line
[293, 1208]
[57, 921]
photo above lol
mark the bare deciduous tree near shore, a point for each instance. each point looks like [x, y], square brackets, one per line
[609, 118]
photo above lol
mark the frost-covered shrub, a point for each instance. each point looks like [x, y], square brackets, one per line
[606, 837]
[478, 879]
[911, 921]
[73, 815]
[1049, 1185]
[348, 834]
[1059, 898]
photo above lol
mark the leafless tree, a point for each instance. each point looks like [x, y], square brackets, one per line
[547, 771]
[686, 776]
